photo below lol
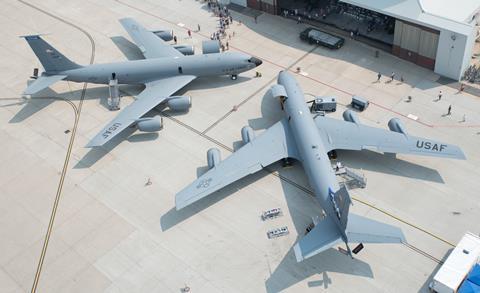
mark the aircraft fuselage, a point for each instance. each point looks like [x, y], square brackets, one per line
[313, 156]
[141, 71]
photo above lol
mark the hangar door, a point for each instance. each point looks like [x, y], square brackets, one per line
[239, 2]
[268, 6]
[415, 43]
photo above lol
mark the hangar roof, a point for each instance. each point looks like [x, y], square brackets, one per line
[438, 14]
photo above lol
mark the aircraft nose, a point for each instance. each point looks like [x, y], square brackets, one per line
[256, 61]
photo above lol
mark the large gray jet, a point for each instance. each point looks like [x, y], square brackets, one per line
[308, 139]
[165, 71]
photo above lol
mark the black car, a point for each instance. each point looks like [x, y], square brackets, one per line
[314, 36]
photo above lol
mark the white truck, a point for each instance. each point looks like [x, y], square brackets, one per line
[457, 266]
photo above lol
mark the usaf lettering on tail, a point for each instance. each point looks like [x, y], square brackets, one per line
[430, 146]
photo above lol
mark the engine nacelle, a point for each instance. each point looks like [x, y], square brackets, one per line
[350, 116]
[210, 47]
[164, 35]
[150, 124]
[396, 125]
[247, 134]
[185, 49]
[213, 157]
[179, 103]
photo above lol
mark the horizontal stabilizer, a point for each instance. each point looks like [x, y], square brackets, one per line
[364, 230]
[41, 83]
[322, 237]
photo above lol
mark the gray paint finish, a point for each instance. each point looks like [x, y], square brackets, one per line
[164, 71]
[307, 139]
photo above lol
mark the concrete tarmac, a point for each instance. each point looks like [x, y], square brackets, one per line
[115, 233]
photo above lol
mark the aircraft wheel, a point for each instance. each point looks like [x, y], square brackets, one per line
[233, 77]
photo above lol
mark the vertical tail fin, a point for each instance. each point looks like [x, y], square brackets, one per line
[52, 60]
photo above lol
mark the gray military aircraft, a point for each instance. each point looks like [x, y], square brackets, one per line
[165, 71]
[308, 139]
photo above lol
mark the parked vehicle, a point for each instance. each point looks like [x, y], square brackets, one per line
[315, 36]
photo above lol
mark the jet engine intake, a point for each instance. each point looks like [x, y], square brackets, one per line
[247, 134]
[164, 35]
[210, 47]
[396, 125]
[213, 157]
[350, 116]
[150, 124]
[185, 49]
[179, 103]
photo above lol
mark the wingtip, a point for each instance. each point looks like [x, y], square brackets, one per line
[298, 252]
[178, 203]
[91, 145]
[34, 36]
[124, 19]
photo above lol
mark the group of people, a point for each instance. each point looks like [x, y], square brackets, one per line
[365, 20]
[439, 97]
[225, 20]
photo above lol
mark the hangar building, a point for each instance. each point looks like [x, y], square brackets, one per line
[436, 34]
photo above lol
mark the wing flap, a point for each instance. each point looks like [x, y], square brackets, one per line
[343, 135]
[272, 145]
[154, 93]
[42, 83]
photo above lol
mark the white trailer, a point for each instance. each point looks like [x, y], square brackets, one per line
[458, 264]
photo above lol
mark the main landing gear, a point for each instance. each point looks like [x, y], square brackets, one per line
[233, 76]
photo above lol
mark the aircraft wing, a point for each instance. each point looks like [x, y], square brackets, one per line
[155, 92]
[272, 145]
[339, 134]
[150, 44]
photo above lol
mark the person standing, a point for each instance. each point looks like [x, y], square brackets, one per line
[449, 110]
[392, 76]
[440, 95]
[175, 39]
[379, 75]
[198, 27]
[189, 33]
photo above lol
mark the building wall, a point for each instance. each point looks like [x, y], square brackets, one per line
[415, 43]
[454, 53]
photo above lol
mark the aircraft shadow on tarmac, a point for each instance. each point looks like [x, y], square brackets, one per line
[289, 271]
[302, 207]
[44, 98]
[387, 164]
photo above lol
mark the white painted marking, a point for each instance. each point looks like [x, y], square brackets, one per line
[413, 117]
